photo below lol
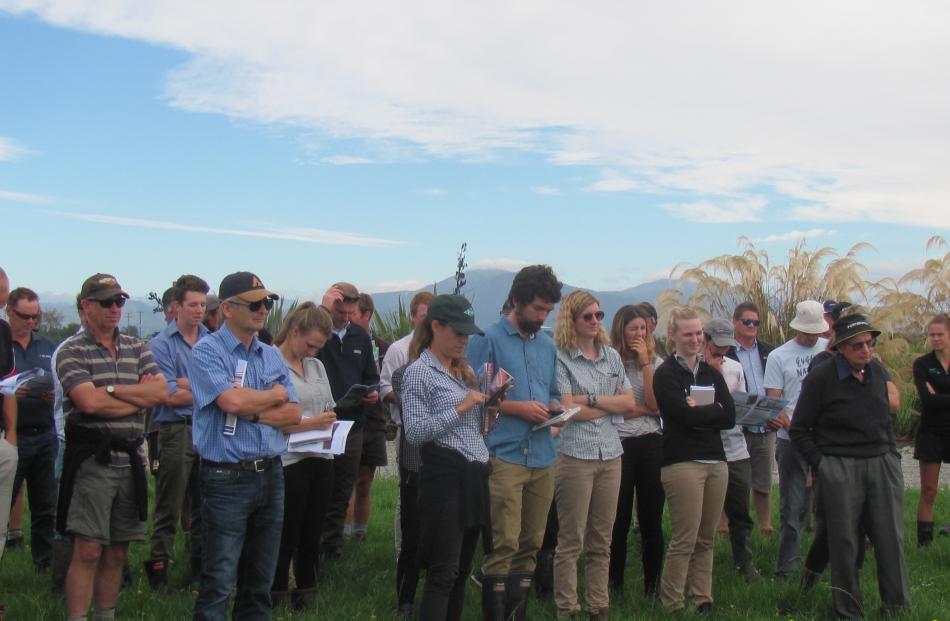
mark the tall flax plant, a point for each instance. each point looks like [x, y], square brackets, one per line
[278, 313]
[393, 325]
[726, 280]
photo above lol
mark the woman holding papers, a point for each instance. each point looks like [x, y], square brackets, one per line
[587, 477]
[694, 472]
[442, 414]
[308, 479]
[642, 452]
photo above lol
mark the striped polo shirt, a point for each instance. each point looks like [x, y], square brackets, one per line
[83, 359]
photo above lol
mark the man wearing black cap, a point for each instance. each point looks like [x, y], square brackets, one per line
[843, 428]
[109, 380]
[242, 398]
[348, 359]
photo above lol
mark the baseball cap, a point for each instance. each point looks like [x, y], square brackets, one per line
[246, 286]
[455, 311]
[720, 332]
[101, 287]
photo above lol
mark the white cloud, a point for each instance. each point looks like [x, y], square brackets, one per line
[744, 210]
[546, 190]
[432, 192]
[260, 230]
[795, 235]
[10, 150]
[499, 263]
[23, 197]
[345, 160]
[613, 181]
[397, 285]
[718, 100]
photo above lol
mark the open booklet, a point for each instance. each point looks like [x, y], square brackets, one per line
[559, 419]
[756, 409]
[495, 383]
[333, 442]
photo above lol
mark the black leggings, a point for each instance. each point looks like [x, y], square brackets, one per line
[307, 488]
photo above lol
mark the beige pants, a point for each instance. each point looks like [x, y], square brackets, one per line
[8, 461]
[586, 493]
[695, 494]
[520, 502]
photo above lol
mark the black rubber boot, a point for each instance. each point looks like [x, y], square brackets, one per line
[519, 585]
[925, 533]
[157, 572]
[544, 575]
[494, 597]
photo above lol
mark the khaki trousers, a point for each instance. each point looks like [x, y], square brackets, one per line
[520, 501]
[695, 494]
[586, 493]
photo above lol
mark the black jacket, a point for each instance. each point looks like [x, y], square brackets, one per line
[934, 409]
[764, 350]
[691, 433]
[349, 362]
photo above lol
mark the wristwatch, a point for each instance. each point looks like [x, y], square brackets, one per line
[110, 390]
[591, 400]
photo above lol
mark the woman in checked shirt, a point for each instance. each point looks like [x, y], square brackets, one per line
[442, 414]
[587, 480]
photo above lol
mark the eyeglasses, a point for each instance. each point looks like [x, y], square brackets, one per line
[750, 322]
[862, 344]
[26, 317]
[590, 316]
[267, 303]
[117, 300]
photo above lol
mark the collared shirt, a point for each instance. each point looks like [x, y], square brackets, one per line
[59, 419]
[215, 360]
[84, 360]
[641, 425]
[429, 397]
[577, 375]
[173, 356]
[313, 391]
[532, 362]
[32, 411]
[396, 356]
[341, 332]
[751, 361]
[733, 440]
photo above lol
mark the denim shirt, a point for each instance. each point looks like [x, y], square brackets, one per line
[532, 362]
[172, 354]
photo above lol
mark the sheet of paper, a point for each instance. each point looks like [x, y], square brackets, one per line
[10, 384]
[703, 395]
[563, 417]
[305, 438]
[334, 446]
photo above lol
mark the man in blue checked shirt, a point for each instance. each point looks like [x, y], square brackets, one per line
[522, 473]
[243, 398]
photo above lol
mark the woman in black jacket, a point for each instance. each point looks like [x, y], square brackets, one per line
[694, 472]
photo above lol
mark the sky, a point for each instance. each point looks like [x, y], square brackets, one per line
[365, 141]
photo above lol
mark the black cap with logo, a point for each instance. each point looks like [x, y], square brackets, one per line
[455, 311]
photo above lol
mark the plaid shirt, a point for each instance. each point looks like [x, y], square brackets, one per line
[578, 376]
[430, 395]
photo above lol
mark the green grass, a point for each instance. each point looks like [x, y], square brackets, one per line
[361, 585]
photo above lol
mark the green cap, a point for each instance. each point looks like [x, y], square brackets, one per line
[455, 311]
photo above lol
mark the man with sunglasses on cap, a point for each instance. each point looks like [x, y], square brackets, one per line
[348, 359]
[844, 429]
[752, 354]
[242, 398]
[109, 379]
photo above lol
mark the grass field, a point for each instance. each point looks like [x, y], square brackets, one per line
[361, 585]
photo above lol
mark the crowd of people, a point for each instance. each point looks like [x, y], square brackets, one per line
[207, 404]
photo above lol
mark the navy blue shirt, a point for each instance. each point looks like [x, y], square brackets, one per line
[349, 361]
[33, 412]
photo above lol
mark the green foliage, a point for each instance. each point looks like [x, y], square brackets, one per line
[393, 325]
[276, 316]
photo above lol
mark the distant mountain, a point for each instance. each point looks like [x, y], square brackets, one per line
[488, 288]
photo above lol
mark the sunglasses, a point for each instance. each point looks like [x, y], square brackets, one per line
[26, 317]
[267, 303]
[347, 300]
[117, 301]
[750, 322]
[599, 315]
[870, 343]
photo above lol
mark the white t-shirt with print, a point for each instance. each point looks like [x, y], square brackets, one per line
[786, 367]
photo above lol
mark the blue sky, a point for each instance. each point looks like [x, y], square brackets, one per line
[364, 142]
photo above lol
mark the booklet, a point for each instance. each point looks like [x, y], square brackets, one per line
[703, 395]
[756, 409]
[335, 445]
[9, 385]
[307, 438]
[495, 383]
[354, 396]
[558, 419]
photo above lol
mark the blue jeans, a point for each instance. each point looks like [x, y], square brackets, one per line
[792, 471]
[242, 513]
[36, 467]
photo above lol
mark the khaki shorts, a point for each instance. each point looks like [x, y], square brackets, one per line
[103, 508]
